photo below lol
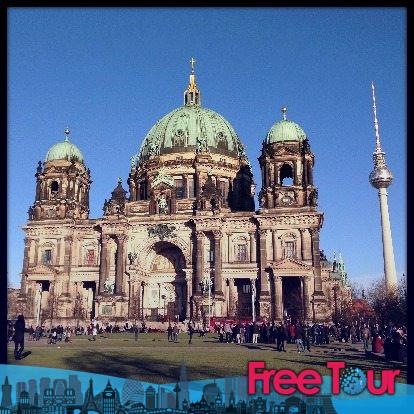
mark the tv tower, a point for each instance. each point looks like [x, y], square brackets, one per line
[381, 178]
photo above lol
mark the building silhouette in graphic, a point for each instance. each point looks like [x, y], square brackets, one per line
[6, 389]
[59, 398]
[151, 398]
[76, 385]
[133, 391]
[44, 383]
[20, 387]
[108, 400]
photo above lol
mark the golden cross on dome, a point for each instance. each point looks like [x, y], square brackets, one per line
[192, 63]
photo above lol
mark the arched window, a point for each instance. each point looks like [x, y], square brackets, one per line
[286, 175]
[54, 187]
[289, 245]
[179, 185]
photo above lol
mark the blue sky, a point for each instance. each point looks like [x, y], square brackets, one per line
[111, 73]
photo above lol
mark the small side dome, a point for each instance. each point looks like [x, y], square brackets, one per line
[285, 130]
[64, 150]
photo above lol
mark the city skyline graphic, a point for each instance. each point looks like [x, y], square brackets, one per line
[72, 395]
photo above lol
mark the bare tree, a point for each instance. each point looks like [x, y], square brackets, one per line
[79, 311]
[51, 309]
[390, 306]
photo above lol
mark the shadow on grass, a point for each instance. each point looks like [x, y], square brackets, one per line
[145, 369]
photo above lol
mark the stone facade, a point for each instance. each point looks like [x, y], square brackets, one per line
[186, 242]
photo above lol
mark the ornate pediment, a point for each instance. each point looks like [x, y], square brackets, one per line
[290, 264]
[43, 269]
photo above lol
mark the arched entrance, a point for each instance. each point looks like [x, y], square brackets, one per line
[292, 298]
[165, 291]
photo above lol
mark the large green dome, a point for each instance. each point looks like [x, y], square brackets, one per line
[285, 130]
[64, 150]
[190, 128]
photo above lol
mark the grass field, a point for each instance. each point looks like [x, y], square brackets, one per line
[152, 358]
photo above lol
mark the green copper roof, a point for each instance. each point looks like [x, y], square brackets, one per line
[285, 130]
[64, 150]
[191, 128]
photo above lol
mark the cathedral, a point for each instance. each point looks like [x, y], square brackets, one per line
[185, 240]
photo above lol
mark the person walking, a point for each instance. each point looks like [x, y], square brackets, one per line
[190, 331]
[366, 336]
[175, 333]
[228, 332]
[306, 337]
[299, 338]
[18, 337]
[281, 338]
[256, 330]
[136, 331]
[169, 332]
[94, 332]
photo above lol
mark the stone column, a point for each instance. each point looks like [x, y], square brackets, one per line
[142, 299]
[103, 266]
[316, 260]
[185, 186]
[229, 258]
[197, 184]
[264, 283]
[27, 242]
[67, 262]
[36, 253]
[271, 174]
[38, 189]
[200, 261]
[138, 295]
[274, 242]
[23, 286]
[232, 297]
[218, 283]
[302, 244]
[306, 297]
[278, 298]
[138, 191]
[266, 174]
[310, 173]
[188, 289]
[58, 251]
[252, 248]
[120, 265]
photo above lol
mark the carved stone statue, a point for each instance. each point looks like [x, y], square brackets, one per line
[313, 197]
[162, 204]
[109, 286]
[132, 257]
[201, 145]
[30, 212]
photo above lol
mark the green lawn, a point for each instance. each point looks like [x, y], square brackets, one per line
[152, 358]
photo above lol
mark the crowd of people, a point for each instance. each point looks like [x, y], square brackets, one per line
[391, 340]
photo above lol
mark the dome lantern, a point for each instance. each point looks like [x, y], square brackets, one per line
[192, 95]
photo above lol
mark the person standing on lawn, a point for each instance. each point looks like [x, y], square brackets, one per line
[169, 332]
[190, 331]
[18, 337]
